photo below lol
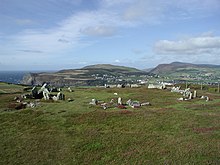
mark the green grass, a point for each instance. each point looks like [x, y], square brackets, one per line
[167, 132]
[10, 88]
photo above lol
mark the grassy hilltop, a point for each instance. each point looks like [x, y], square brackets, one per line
[167, 132]
[99, 74]
[188, 71]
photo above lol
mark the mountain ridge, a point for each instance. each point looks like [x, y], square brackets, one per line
[174, 66]
[101, 74]
[88, 75]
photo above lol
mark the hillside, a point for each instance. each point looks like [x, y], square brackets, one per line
[188, 70]
[62, 132]
[89, 75]
[111, 67]
[172, 67]
[177, 66]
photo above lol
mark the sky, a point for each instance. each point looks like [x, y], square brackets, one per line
[68, 34]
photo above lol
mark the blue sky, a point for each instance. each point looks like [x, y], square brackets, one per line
[62, 34]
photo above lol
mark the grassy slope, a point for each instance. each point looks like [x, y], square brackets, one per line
[111, 67]
[194, 72]
[168, 132]
[85, 74]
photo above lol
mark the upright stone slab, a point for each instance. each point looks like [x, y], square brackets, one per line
[129, 102]
[195, 94]
[46, 94]
[34, 92]
[119, 101]
[190, 95]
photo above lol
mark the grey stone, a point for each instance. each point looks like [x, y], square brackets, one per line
[120, 101]
[194, 94]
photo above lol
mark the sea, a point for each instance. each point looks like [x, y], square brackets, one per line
[15, 77]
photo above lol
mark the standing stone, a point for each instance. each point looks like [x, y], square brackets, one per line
[46, 94]
[218, 87]
[190, 95]
[60, 96]
[207, 98]
[129, 102]
[34, 91]
[119, 101]
[54, 98]
[195, 94]
[70, 90]
[36, 94]
[94, 102]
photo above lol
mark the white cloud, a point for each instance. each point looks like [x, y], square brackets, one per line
[137, 51]
[30, 51]
[117, 61]
[82, 63]
[99, 31]
[198, 5]
[147, 11]
[114, 3]
[193, 46]
[70, 2]
[24, 21]
[69, 34]
[111, 17]
[156, 11]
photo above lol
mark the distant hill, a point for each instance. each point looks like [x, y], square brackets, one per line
[89, 75]
[187, 71]
[181, 67]
[148, 69]
[172, 67]
[112, 67]
[113, 70]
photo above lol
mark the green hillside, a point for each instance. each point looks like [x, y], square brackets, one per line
[111, 67]
[94, 74]
[62, 132]
[188, 71]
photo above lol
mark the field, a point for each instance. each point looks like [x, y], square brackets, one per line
[167, 132]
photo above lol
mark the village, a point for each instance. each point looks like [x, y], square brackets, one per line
[200, 78]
